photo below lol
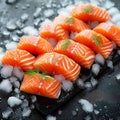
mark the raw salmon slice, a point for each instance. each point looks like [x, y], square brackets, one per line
[34, 45]
[97, 42]
[40, 84]
[110, 31]
[89, 12]
[28, 43]
[53, 31]
[77, 51]
[20, 58]
[71, 23]
[55, 63]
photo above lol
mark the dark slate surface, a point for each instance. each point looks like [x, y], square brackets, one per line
[105, 98]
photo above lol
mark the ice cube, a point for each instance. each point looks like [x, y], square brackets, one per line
[86, 105]
[18, 72]
[6, 71]
[6, 86]
[67, 85]
[95, 69]
[26, 112]
[14, 101]
[6, 114]
[50, 117]
[11, 45]
[99, 59]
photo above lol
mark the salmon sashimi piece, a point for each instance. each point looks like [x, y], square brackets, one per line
[20, 58]
[89, 12]
[97, 42]
[55, 63]
[28, 43]
[77, 51]
[111, 31]
[53, 31]
[43, 46]
[40, 84]
[71, 23]
[48, 31]
[61, 33]
[34, 45]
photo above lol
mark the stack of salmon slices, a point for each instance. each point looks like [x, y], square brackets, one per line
[55, 52]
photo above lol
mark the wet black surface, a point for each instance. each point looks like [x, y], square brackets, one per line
[105, 98]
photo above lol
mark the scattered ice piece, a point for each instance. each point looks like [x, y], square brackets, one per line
[96, 69]
[74, 113]
[1, 56]
[11, 45]
[87, 118]
[50, 117]
[16, 90]
[108, 4]
[6, 71]
[60, 112]
[29, 30]
[24, 17]
[99, 59]
[45, 22]
[96, 112]
[48, 13]
[93, 24]
[13, 79]
[10, 1]
[6, 86]
[16, 84]
[80, 83]
[22, 97]
[60, 78]
[14, 101]
[93, 81]
[25, 103]
[112, 11]
[62, 12]
[88, 86]
[11, 25]
[37, 22]
[18, 72]
[116, 18]
[32, 106]
[15, 38]
[69, 8]
[19, 32]
[26, 112]
[52, 41]
[19, 24]
[109, 64]
[6, 33]
[67, 85]
[94, 2]
[1, 50]
[6, 114]
[118, 76]
[37, 12]
[86, 105]
[33, 98]
[72, 35]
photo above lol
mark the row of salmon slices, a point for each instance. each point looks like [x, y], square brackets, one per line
[67, 55]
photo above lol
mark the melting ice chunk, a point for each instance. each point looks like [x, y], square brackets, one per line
[86, 105]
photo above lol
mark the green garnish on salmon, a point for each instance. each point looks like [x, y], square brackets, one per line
[88, 10]
[65, 44]
[97, 40]
[70, 20]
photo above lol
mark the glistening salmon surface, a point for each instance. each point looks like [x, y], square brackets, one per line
[51, 61]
